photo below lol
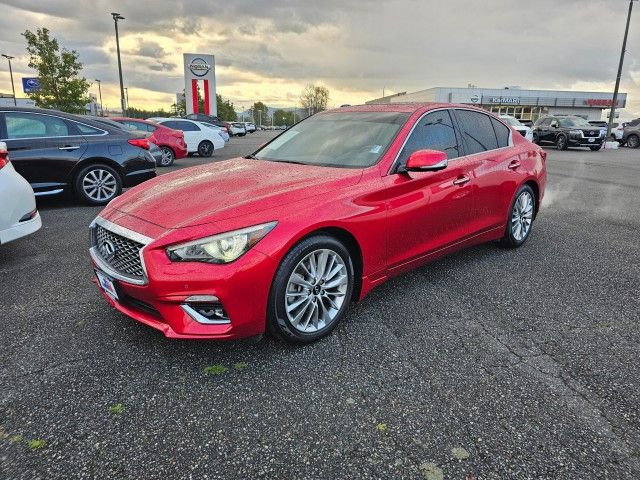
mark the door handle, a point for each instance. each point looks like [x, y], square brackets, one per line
[513, 165]
[69, 148]
[461, 180]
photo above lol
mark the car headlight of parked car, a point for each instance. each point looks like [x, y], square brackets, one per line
[221, 248]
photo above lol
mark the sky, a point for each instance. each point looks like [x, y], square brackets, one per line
[269, 50]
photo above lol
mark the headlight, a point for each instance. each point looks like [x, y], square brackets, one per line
[221, 248]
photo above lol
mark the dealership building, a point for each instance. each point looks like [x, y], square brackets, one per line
[526, 105]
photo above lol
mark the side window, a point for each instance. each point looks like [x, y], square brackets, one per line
[502, 133]
[190, 127]
[477, 131]
[434, 131]
[29, 125]
[545, 122]
[171, 124]
[87, 130]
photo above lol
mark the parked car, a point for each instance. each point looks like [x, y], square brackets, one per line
[523, 130]
[212, 119]
[631, 135]
[18, 215]
[55, 151]
[199, 138]
[567, 131]
[221, 131]
[286, 238]
[170, 141]
[618, 132]
[250, 127]
[237, 129]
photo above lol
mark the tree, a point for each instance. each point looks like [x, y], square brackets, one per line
[314, 98]
[225, 109]
[283, 117]
[260, 113]
[61, 85]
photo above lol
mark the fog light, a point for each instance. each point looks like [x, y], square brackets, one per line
[207, 313]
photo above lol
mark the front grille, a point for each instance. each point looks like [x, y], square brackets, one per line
[591, 133]
[120, 253]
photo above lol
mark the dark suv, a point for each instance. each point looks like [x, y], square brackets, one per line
[56, 151]
[567, 131]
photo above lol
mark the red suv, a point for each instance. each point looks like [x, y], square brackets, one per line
[170, 141]
[286, 238]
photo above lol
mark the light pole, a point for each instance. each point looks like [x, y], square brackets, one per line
[126, 92]
[615, 90]
[116, 17]
[100, 95]
[9, 58]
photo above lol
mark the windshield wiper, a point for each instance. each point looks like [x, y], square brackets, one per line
[251, 156]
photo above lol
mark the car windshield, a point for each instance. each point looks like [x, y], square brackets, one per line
[514, 122]
[336, 139]
[574, 122]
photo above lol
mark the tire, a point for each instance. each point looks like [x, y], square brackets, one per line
[318, 311]
[562, 142]
[168, 157]
[522, 213]
[595, 148]
[97, 184]
[205, 149]
[633, 141]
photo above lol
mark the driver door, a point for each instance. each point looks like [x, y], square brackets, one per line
[428, 211]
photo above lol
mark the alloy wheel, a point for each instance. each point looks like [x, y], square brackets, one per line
[99, 185]
[633, 141]
[316, 290]
[167, 157]
[522, 216]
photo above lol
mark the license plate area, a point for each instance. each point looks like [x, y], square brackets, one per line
[592, 140]
[107, 284]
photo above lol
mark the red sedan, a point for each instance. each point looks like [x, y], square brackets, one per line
[285, 239]
[170, 141]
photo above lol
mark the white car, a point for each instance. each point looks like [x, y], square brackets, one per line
[250, 127]
[525, 131]
[221, 131]
[618, 132]
[237, 129]
[18, 213]
[199, 138]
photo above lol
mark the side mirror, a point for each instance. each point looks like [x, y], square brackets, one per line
[426, 161]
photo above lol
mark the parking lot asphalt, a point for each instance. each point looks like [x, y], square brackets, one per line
[490, 363]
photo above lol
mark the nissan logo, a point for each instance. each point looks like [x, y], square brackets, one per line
[107, 250]
[199, 67]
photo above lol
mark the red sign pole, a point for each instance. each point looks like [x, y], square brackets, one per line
[194, 95]
[207, 110]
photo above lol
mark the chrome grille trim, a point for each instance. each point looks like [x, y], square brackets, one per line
[129, 268]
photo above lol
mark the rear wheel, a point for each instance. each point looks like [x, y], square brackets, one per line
[633, 141]
[561, 142]
[97, 184]
[311, 290]
[168, 156]
[205, 149]
[520, 219]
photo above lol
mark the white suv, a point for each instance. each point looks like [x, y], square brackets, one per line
[18, 213]
[199, 138]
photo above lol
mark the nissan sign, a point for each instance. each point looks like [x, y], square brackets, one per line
[199, 67]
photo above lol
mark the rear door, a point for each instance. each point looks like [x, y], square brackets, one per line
[192, 133]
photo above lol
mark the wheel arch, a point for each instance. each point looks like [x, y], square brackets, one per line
[536, 191]
[86, 162]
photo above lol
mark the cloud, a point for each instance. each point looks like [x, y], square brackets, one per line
[270, 50]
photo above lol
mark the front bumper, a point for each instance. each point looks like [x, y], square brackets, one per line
[584, 142]
[241, 288]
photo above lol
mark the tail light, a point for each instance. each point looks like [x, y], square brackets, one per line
[4, 154]
[139, 142]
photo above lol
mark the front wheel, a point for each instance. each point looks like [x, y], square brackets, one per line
[633, 141]
[205, 149]
[97, 184]
[520, 219]
[311, 290]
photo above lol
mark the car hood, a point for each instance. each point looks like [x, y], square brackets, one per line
[231, 188]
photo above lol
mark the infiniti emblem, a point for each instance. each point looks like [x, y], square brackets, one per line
[107, 250]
